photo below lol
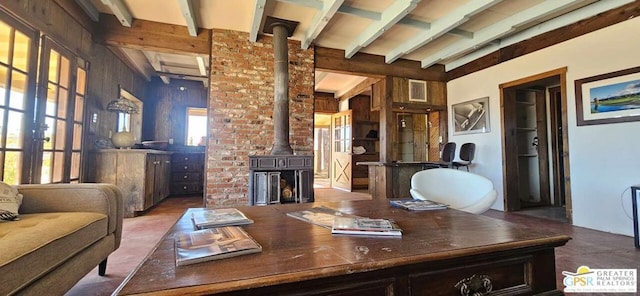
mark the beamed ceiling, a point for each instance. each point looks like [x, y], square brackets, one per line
[428, 33]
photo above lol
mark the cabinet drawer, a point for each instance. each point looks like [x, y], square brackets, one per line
[186, 177]
[186, 167]
[186, 188]
[188, 157]
[509, 275]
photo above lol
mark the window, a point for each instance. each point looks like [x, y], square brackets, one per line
[196, 126]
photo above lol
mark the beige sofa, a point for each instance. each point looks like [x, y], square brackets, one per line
[64, 231]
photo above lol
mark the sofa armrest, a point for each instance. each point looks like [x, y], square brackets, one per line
[83, 197]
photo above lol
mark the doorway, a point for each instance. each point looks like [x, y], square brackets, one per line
[535, 145]
[321, 150]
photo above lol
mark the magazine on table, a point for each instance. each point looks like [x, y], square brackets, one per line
[209, 218]
[365, 226]
[321, 216]
[417, 204]
[213, 244]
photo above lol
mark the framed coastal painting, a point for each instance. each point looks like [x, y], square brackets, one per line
[608, 98]
[471, 117]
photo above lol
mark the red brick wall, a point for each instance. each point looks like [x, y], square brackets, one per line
[241, 106]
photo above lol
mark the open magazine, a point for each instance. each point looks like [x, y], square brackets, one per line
[321, 216]
[212, 244]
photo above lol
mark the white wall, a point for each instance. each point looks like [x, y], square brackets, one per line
[604, 159]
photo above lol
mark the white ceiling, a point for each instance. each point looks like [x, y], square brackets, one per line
[449, 32]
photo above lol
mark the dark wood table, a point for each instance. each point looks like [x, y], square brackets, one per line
[436, 251]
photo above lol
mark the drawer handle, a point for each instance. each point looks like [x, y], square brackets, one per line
[475, 285]
[185, 187]
[185, 177]
[186, 167]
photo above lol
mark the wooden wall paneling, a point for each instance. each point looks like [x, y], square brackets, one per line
[168, 104]
[377, 94]
[420, 140]
[437, 93]
[387, 121]
[360, 106]
[325, 103]
[400, 89]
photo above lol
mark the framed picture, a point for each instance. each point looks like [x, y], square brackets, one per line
[608, 98]
[471, 117]
[417, 90]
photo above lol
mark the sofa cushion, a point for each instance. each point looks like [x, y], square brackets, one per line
[10, 201]
[37, 243]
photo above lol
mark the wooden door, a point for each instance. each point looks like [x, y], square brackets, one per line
[149, 179]
[341, 162]
[162, 176]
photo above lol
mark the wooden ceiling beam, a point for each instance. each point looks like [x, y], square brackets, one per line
[363, 64]
[154, 36]
[320, 20]
[359, 88]
[187, 12]
[390, 16]
[498, 30]
[120, 11]
[258, 20]
[569, 18]
[550, 38]
[441, 27]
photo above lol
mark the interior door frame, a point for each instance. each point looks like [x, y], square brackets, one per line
[335, 155]
[507, 92]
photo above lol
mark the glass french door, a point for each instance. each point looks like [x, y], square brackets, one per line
[41, 121]
[59, 116]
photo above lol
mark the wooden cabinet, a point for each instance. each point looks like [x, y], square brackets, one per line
[532, 144]
[366, 134]
[142, 176]
[187, 173]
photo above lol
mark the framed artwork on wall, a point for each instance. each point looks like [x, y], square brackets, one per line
[471, 117]
[417, 91]
[608, 98]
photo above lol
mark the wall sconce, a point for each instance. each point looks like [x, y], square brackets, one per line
[403, 122]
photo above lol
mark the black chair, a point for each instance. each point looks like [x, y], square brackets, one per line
[448, 153]
[467, 151]
[446, 159]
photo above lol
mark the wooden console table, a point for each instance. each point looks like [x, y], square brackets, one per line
[436, 251]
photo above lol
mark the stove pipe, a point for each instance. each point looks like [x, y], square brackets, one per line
[281, 145]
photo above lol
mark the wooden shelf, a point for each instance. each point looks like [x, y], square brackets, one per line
[527, 155]
[527, 129]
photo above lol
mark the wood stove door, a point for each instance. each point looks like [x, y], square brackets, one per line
[341, 161]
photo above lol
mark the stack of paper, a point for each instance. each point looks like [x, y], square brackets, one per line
[365, 226]
[209, 218]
